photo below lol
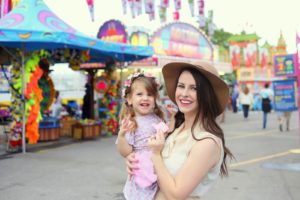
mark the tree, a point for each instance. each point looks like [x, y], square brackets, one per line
[220, 38]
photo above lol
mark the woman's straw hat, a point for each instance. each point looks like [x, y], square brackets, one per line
[171, 73]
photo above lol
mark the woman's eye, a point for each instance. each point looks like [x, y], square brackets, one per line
[180, 86]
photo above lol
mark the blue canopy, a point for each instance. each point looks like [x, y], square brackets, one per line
[32, 26]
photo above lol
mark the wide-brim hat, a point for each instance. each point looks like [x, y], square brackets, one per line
[171, 72]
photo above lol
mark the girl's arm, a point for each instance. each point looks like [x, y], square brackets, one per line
[123, 146]
[203, 156]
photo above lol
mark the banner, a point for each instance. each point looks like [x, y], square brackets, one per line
[285, 95]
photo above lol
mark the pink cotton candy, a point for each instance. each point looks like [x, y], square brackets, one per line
[145, 175]
[161, 127]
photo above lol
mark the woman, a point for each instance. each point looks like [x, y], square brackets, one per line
[266, 98]
[189, 161]
[246, 100]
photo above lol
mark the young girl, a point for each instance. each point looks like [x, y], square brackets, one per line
[141, 119]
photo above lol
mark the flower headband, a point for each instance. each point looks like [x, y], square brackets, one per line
[132, 77]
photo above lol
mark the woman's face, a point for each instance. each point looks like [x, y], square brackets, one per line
[186, 94]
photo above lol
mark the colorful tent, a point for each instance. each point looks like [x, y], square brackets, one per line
[32, 26]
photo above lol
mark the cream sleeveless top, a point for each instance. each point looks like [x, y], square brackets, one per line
[176, 150]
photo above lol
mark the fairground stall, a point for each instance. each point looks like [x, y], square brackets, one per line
[33, 37]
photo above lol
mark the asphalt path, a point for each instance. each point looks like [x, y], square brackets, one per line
[266, 166]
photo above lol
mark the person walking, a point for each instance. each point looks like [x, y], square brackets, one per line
[193, 155]
[284, 119]
[266, 96]
[234, 97]
[246, 100]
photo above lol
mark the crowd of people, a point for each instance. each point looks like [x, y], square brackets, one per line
[244, 100]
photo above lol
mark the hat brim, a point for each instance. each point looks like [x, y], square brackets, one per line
[171, 72]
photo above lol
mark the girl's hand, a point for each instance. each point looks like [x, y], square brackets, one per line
[132, 164]
[156, 143]
[126, 125]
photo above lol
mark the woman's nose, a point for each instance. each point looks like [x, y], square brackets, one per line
[185, 92]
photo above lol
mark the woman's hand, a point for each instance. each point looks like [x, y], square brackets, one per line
[156, 143]
[132, 164]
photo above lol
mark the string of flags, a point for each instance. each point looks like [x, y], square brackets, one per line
[136, 8]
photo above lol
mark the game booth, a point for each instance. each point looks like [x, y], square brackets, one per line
[32, 38]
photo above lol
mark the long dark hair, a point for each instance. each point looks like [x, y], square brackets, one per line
[207, 113]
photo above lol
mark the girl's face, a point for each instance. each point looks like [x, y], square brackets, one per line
[186, 94]
[142, 101]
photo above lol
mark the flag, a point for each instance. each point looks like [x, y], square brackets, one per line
[91, 8]
[297, 39]
[191, 5]
[124, 5]
[177, 4]
[176, 15]
[201, 13]
[162, 14]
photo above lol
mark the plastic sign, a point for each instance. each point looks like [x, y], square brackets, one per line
[285, 65]
[285, 92]
[113, 31]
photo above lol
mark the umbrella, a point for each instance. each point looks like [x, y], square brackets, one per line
[32, 26]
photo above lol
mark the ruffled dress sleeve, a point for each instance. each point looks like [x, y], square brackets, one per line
[130, 138]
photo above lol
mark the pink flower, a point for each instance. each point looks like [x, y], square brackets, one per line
[148, 75]
[127, 83]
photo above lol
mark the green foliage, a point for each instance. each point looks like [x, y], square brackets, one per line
[220, 38]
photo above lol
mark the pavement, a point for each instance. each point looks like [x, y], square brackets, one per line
[266, 166]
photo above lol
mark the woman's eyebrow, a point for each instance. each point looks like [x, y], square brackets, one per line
[187, 84]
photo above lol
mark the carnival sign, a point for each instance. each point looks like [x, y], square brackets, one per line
[285, 92]
[139, 38]
[285, 65]
[113, 31]
[182, 40]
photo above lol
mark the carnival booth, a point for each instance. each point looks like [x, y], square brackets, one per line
[173, 42]
[25, 31]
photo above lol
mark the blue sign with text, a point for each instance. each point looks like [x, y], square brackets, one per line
[285, 92]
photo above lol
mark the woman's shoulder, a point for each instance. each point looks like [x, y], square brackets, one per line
[201, 135]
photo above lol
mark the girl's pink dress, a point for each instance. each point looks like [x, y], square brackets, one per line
[142, 185]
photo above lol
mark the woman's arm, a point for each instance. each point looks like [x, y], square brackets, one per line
[203, 156]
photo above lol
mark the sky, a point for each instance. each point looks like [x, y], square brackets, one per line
[267, 18]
